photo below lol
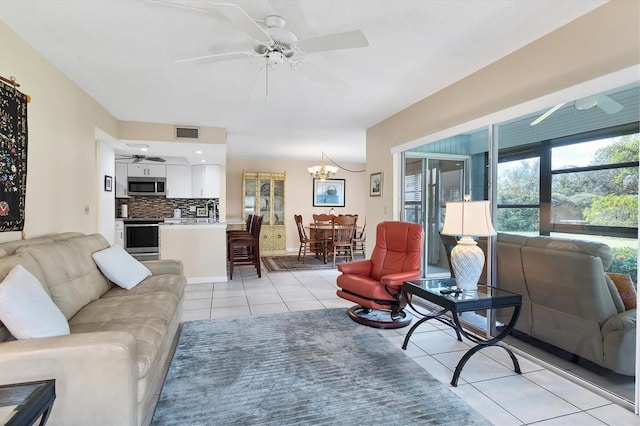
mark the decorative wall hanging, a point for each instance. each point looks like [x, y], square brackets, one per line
[13, 155]
[328, 193]
[375, 184]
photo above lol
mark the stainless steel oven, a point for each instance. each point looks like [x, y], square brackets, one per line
[141, 238]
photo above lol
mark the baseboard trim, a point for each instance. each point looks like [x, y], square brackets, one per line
[204, 280]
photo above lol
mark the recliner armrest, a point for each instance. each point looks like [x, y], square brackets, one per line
[623, 321]
[360, 267]
[399, 278]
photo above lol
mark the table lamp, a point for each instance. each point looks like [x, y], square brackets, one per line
[468, 219]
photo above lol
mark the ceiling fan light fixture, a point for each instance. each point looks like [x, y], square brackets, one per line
[275, 58]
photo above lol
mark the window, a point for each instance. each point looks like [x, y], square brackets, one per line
[595, 183]
[519, 196]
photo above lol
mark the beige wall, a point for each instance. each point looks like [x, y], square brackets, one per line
[62, 175]
[142, 131]
[597, 44]
[298, 191]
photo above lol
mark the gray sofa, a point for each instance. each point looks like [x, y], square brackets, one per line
[109, 370]
[568, 301]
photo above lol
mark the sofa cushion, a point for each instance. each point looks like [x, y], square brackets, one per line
[120, 267]
[26, 309]
[591, 248]
[10, 247]
[515, 239]
[69, 271]
[626, 289]
[146, 317]
[170, 283]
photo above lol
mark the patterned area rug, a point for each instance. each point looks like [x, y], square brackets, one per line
[300, 368]
[291, 263]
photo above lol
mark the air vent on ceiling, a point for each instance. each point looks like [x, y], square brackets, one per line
[187, 132]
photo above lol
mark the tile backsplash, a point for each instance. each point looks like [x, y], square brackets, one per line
[158, 207]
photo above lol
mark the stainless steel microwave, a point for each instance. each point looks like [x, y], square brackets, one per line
[152, 186]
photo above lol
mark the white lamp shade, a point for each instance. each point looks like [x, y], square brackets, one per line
[468, 218]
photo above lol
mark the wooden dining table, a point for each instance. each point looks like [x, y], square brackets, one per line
[320, 231]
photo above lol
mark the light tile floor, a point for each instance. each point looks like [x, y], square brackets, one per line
[487, 383]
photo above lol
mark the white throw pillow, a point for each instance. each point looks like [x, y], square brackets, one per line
[26, 309]
[120, 267]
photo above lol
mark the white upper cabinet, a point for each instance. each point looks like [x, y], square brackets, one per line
[147, 170]
[121, 180]
[178, 181]
[205, 181]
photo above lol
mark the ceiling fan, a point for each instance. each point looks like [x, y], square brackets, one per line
[274, 42]
[138, 158]
[604, 102]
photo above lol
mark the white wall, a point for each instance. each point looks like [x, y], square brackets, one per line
[106, 200]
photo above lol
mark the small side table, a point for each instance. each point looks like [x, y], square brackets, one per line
[485, 297]
[23, 403]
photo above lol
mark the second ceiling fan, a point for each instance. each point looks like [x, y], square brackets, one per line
[602, 101]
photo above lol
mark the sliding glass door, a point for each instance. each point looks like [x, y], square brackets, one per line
[429, 183]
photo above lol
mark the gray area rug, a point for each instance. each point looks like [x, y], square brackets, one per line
[291, 263]
[300, 368]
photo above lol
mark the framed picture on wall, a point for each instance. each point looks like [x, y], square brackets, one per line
[328, 193]
[375, 184]
[108, 183]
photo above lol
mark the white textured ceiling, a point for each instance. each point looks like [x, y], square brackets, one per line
[122, 54]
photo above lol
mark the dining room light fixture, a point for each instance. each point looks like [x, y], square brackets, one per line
[322, 172]
[468, 219]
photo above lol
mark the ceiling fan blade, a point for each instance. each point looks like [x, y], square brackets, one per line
[156, 159]
[178, 5]
[547, 114]
[219, 57]
[243, 22]
[345, 40]
[607, 104]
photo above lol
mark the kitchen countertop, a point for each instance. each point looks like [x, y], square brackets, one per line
[191, 221]
[141, 219]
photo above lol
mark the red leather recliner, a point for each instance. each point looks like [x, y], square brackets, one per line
[375, 284]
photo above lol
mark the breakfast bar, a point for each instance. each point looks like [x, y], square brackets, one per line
[201, 246]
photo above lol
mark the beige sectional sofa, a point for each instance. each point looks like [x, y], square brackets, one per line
[568, 301]
[109, 370]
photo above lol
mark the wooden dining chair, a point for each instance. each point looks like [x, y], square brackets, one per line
[359, 241]
[306, 243]
[344, 228]
[323, 233]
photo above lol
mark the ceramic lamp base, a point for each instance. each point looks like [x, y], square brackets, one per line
[467, 260]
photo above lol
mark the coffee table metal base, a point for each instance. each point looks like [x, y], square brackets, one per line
[480, 343]
[454, 308]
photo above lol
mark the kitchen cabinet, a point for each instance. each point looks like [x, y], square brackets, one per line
[119, 235]
[178, 183]
[121, 180]
[263, 194]
[205, 181]
[147, 170]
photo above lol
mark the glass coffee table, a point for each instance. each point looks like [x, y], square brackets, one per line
[25, 403]
[450, 299]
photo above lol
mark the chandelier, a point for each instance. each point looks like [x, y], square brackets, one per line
[322, 171]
